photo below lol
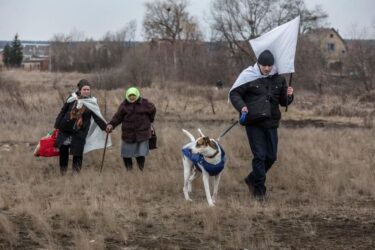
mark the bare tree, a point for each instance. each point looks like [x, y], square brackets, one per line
[236, 22]
[113, 45]
[75, 52]
[61, 58]
[242, 20]
[361, 62]
[285, 10]
[168, 20]
[310, 66]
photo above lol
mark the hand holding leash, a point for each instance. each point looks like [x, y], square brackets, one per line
[243, 118]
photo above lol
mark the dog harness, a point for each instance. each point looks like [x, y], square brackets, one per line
[199, 161]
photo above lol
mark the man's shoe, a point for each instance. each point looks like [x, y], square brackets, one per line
[249, 185]
[260, 198]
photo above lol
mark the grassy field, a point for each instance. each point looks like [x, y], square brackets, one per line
[321, 189]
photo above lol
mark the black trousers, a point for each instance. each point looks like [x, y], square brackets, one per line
[64, 159]
[129, 162]
[263, 144]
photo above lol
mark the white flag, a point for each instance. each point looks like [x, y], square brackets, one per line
[282, 42]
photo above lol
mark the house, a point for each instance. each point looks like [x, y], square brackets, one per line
[36, 56]
[35, 63]
[331, 44]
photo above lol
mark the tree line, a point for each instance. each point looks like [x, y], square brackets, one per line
[177, 49]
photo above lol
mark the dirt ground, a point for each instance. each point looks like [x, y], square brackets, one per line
[163, 220]
[348, 225]
[321, 190]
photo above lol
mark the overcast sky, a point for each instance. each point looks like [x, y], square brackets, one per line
[41, 19]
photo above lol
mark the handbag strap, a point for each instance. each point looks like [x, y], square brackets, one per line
[153, 129]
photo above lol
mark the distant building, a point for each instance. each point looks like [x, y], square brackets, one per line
[35, 63]
[331, 45]
[36, 56]
[35, 49]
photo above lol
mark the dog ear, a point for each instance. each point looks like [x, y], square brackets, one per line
[201, 133]
[212, 144]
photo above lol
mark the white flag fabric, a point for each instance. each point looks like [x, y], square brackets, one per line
[282, 42]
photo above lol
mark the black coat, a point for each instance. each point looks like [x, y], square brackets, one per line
[271, 90]
[67, 128]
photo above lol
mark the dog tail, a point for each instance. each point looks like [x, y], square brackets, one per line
[191, 137]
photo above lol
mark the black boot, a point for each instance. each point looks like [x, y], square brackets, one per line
[141, 162]
[128, 163]
[63, 170]
[77, 163]
[64, 159]
[249, 185]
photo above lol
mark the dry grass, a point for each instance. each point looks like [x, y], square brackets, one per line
[321, 189]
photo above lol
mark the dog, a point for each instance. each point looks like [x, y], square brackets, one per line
[205, 155]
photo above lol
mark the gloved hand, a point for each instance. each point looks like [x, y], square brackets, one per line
[243, 118]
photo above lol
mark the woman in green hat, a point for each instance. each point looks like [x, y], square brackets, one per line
[136, 115]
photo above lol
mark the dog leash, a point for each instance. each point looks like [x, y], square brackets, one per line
[227, 130]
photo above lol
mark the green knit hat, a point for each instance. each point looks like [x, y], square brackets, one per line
[132, 91]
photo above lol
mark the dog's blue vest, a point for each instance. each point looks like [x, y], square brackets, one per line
[199, 162]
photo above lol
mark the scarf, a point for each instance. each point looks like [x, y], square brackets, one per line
[250, 74]
[95, 138]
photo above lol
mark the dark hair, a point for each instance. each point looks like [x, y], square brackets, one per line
[266, 58]
[83, 82]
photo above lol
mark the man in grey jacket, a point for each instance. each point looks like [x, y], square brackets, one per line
[257, 94]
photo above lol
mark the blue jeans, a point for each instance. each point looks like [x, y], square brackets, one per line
[263, 144]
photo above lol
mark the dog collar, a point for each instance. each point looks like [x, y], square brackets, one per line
[212, 156]
[217, 151]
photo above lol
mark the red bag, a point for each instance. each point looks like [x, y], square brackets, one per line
[47, 145]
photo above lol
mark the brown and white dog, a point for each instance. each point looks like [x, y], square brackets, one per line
[207, 156]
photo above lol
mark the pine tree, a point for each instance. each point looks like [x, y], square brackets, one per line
[16, 54]
[6, 55]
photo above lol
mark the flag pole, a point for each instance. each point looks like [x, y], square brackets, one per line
[287, 97]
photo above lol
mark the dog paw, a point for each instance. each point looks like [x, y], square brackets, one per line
[188, 199]
[211, 204]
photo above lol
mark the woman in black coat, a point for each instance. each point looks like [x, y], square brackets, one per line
[73, 122]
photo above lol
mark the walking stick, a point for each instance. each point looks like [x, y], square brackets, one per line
[105, 147]
[287, 97]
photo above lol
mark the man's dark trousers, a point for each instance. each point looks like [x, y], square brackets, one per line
[263, 144]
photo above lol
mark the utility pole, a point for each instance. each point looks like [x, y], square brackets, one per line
[50, 58]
